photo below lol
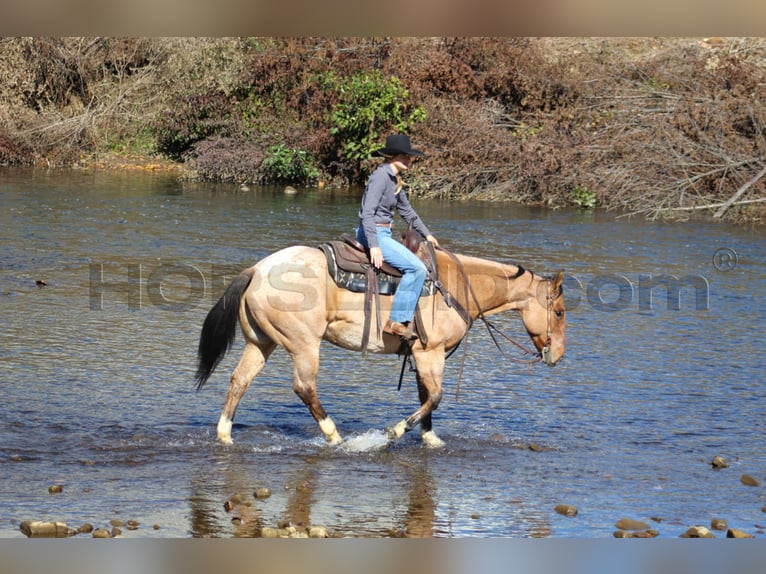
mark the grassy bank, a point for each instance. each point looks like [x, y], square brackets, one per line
[656, 127]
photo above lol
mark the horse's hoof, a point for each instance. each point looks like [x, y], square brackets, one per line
[430, 439]
[225, 440]
[334, 440]
[397, 431]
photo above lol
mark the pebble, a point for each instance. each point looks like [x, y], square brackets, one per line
[719, 462]
[290, 190]
[56, 488]
[648, 533]
[318, 532]
[566, 510]
[630, 524]
[748, 480]
[734, 533]
[86, 528]
[697, 532]
[718, 524]
[262, 493]
[102, 533]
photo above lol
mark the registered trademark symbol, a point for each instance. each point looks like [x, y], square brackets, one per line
[725, 259]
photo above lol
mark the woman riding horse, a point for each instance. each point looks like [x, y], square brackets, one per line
[383, 196]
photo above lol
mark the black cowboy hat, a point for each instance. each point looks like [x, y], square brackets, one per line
[396, 144]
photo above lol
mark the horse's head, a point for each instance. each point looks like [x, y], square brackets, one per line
[544, 318]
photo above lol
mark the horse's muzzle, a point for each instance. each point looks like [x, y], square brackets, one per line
[546, 356]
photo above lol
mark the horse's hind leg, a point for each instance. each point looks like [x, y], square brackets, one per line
[250, 364]
[306, 368]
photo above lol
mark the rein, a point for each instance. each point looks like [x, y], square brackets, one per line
[468, 288]
[491, 326]
[461, 310]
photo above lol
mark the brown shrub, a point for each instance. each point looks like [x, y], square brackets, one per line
[13, 152]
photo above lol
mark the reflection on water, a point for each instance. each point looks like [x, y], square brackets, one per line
[97, 366]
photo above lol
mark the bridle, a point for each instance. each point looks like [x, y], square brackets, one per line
[492, 328]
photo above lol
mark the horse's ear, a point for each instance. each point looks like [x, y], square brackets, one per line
[557, 282]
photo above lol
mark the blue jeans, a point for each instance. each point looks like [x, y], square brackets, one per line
[413, 273]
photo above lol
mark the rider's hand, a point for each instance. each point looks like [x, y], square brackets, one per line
[432, 239]
[376, 257]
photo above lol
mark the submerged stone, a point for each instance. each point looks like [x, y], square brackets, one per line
[566, 510]
[748, 480]
[630, 524]
[734, 533]
[648, 533]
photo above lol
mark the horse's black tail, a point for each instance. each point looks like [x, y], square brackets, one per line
[220, 327]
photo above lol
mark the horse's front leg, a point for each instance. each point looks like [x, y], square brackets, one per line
[430, 371]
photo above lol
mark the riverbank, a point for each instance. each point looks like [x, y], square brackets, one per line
[122, 161]
[662, 128]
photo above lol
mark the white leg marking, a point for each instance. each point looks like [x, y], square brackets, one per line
[330, 432]
[398, 430]
[431, 440]
[224, 430]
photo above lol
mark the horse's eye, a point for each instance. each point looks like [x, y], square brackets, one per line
[559, 313]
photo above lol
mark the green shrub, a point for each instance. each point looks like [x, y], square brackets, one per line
[366, 104]
[583, 197]
[288, 165]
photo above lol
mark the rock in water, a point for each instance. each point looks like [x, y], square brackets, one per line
[566, 510]
[748, 480]
[40, 529]
[719, 462]
[697, 532]
[629, 524]
[734, 533]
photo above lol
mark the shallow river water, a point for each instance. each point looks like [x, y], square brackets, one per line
[97, 367]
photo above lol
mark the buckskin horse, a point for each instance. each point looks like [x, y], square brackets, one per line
[288, 299]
